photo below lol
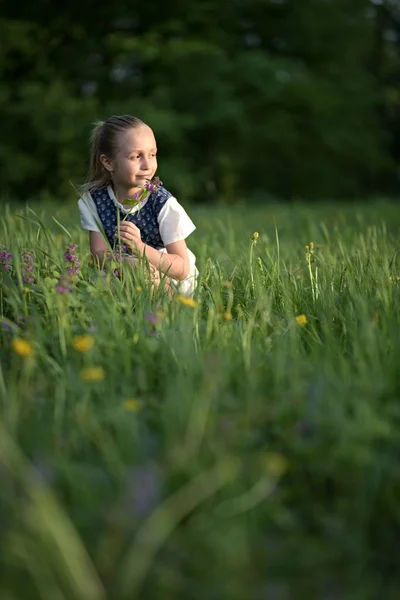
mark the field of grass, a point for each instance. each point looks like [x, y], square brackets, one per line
[244, 446]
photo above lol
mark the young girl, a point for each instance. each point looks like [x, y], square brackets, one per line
[123, 159]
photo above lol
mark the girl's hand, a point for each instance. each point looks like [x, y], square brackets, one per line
[130, 235]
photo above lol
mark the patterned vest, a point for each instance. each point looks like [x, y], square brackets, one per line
[146, 219]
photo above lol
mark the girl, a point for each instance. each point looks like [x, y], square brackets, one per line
[123, 159]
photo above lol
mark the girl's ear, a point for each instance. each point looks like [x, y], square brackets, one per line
[107, 163]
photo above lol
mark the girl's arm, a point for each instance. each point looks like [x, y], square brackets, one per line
[175, 263]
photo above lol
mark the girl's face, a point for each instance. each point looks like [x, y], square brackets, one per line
[135, 159]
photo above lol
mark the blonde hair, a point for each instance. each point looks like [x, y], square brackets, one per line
[103, 140]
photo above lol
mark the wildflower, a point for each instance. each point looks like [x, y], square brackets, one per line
[255, 236]
[152, 186]
[92, 374]
[62, 289]
[27, 265]
[5, 259]
[22, 347]
[83, 343]
[228, 316]
[275, 464]
[131, 405]
[151, 318]
[187, 301]
[139, 289]
[301, 320]
[72, 258]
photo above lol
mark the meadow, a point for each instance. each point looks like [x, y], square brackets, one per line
[243, 445]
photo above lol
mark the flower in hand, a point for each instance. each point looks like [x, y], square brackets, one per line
[130, 235]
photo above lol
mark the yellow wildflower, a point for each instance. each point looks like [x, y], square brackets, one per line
[83, 343]
[131, 405]
[275, 464]
[187, 301]
[255, 236]
[25, 290]
[22, 347]
[301, 320]
[228, 316]
[92, 374]
[139, 289]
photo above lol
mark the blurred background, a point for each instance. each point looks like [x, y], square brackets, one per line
[248, 98]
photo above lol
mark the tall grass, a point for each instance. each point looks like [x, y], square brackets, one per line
[243, 447]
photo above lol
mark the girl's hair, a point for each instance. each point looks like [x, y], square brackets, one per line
[104, 140]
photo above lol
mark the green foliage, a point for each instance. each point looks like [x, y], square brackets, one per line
[243, 447]
[281, 98]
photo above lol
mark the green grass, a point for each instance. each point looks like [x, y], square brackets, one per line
[256, 458]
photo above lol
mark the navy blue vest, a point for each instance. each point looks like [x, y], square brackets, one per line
[146, 218]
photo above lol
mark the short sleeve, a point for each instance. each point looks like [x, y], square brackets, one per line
[88, 212]
[174, 222]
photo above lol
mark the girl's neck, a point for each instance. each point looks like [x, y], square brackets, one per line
[122, 194]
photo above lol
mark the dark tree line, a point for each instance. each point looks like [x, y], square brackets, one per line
[245, 96]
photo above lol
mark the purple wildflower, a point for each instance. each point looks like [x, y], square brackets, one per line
[145, 484]
[62, 289]
[152, 186]
[27, 265]
[72, 258]
[5, 259]
[74, 270]
[117, 273]
[151, 318]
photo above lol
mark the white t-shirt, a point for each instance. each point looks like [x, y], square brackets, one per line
[173, 221]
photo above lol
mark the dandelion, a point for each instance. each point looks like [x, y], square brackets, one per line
[92, 374]
[275, 464]
[131, 405]
[22, 347]
[186, 301]
[228, 316]
[83, 343]
[301, 320]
